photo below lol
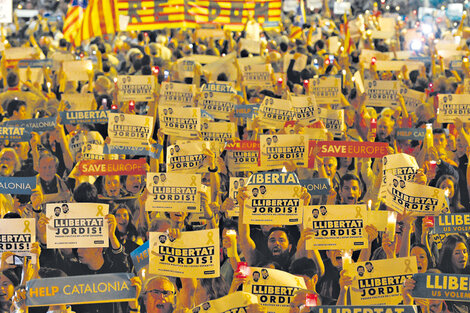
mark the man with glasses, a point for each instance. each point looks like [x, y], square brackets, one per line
[159, 296]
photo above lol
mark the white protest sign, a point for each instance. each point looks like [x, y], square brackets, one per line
[185, 68]
[136, 87]
[6, 11]
[382, 93]
[177, 94]
[336, 227]
[218, 104]
[252, 46]
[19, 53]
[236, 302]
[130, 129]
[275, 289]
[453, 106]
[78, 101]
[273, 112]
[77, 70]
[413, 99]
[273, 199]
[397, 65]
[77, 225]
[305, 109]
[173, 192]
[187, 158]
[380, 282]
[194, 254]
[277, 149]
[123, 22]
[401, 165]
[178, 121]
[17, 235]
[341, 8]
[242, 155]
[326, 90]
[299, 63]
[333, 120]
[218, 131]
[257, 75]
[92, 152]
[412, 197]
[234, 185]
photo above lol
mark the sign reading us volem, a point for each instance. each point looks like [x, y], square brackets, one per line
[112, 167]
[452, 223]
[273, 198]
[336, 226]
[77, 225]
[364, 309]
[442, 286]
[380, 282]
[193, 255]
[98, 288]
[274, 288]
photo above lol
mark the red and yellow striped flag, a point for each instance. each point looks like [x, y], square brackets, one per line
[73, 19]
[99, 18]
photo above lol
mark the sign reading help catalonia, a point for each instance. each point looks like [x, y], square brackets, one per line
[380, 282]
[336, 226]
[173, 192]
[77, 225]
[193, 255]
[273, 199]
[274, 288]
[98, 288]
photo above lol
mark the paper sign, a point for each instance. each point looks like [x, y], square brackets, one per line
[33, 69]
[401, 165]
[326, 90]
[316, 186]
[252, 46]
[97, 288]
[140, 256]
[177, 121]
[92, 152]
[17, 185]
[77, 225]
[123, 22]
[6, 11]
[218, 104]
[420, 199]
[380, 282]
[77, 70]
[278, 149]
[78, 102]
[305, 109]
[363, 309]
[257, 75]
[275, 289]
[13, 133]
[336, 226]
[299, 64]
[397, 65]
[13, 55]
[273, 112]
[274, 198]
[218, 131]
[153, 150]
[84, 117]
[341, 8]
[187, 158]
[219, 87]
[246, 110]
[234, 184]
[453, 106]
[17, 235]
[113, 167]
[35, 124]
[173, 192]
[452, 223]
[185, 68]
[242, 155]
[333, 120]
[209, 33]
[130, 129]
[136, 87]
[441, 286]
[236, 302]
[382, 93]
[193, 255]
[177, 94]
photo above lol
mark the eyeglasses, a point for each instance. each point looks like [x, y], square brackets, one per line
[158, 292]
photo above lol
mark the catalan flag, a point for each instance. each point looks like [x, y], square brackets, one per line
[98, 18]
[73, 19]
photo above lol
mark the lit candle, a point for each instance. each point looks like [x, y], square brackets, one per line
[369, 205]
[346, 258]
[391, 223]
[232, 236]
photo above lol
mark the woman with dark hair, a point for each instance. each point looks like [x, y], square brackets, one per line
[423, 257]
[126, 232]
[450, 185]
[8, 282]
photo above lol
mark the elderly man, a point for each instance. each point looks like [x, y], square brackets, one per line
[48, 182]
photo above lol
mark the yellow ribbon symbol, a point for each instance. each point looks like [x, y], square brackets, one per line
[212, 146]
[209, 238]
[436, 193]
[26, 227]
[193, 181]
[147, 121]
[302, 140]
[100, 211]
[358, 212]
[229, 127]
[407, 266]
[296, 192]
[194, 113]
